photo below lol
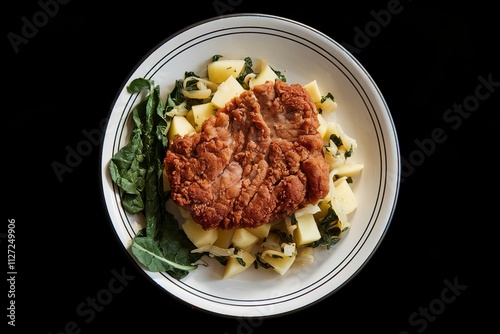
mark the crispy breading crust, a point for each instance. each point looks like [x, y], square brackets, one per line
[260, 158]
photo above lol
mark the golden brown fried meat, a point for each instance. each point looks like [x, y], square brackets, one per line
[256, 160]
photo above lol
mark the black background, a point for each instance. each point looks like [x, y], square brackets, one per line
[63, 80]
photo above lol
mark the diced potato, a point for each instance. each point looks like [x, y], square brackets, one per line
[220, 70]
[273, 237]
[198, 236]
[323, 125]
[345, 196]
[179, 125]
[280, 264]
[331, 129]
[313, 89]
[267, 74]
[224, 238]
[260, 232]
[307, 230]
[243, 239]
[234, 267]
[226, 91]
[201, 112]
[349, 169]
[328, 106]
[190, 117]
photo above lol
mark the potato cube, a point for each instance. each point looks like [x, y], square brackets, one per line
[179, 125]
[260, 232]
[349, 169]
[331, 129]
[323, 125]
[328, 106]
[190, 117]
[220, 70]
[198, 236]
[307, 230]
[280, 264]
[243, 239]
[234, 267]
[224, 238]
[313, 89]
[345, 196]
[274, 237]
[267, 74]
[201, 112]
[226, 91]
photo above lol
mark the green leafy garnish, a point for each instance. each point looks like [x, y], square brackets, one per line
[329, 230]
[137, 170]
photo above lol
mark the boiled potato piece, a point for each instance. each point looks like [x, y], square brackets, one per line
[243, 239]
[267, 74]
[280, 264]
[234, 267]
[226, 91]
[313, 89]
[201, 112]
[331, 129]
[198, 236]
[190, 117]
[327, 106]
[273, 237]
[345, 196]
[260, 232]
[179, 125]
[349, 169]
[220, 70]
[307, 230]
[323, 126]
[224, 238]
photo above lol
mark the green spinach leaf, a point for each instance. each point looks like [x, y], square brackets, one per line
[137, 170]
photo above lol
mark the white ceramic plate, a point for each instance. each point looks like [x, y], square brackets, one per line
[303, 54]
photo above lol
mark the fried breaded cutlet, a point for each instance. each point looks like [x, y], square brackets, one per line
[258, 159]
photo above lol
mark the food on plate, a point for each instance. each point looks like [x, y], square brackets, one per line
[259, 159]
[237, 165]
